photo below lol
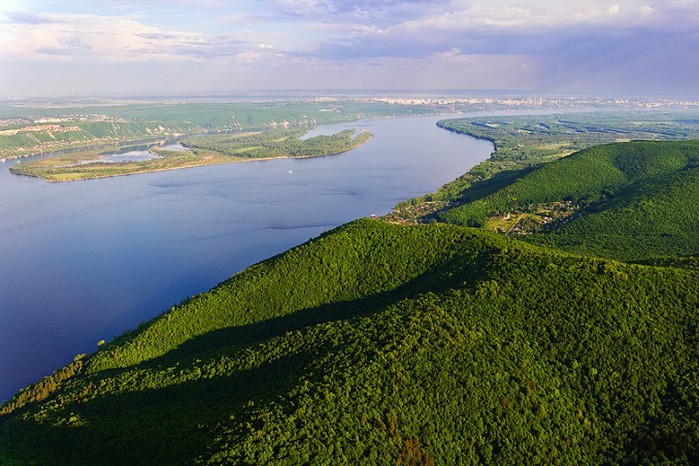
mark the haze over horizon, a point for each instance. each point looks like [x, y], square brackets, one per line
[593, 47]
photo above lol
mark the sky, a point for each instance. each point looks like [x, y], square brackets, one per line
[573, 47]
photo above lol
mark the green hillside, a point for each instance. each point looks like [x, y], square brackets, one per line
[523, 142]
[655, 218]
[636, 200]
[36, 139]
[434, 344]
[48, 130]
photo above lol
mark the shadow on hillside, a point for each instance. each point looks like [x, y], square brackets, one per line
[493, 184]
[164, 425]
[458, 271]
[482, 189]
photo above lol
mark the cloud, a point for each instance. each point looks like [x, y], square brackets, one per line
[108, 39]
[156, 4]
[378, 13]
[156, 36]
[574, 44]
[454, 54]
[75, 43]
[28, 18]
[67, 46]
[631, 62]
[535, 14]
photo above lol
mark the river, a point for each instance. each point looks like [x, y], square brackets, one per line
[84, 261]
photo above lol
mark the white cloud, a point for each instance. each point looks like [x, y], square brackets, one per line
[537, 14]
[70, 37]
[300, 6]
[53, 35]
[372, 43]
[360, 30]
[454, 54]
[646, 10]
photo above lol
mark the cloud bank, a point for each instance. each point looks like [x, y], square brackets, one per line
[581, 46]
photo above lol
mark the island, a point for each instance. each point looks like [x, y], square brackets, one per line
[192, 152]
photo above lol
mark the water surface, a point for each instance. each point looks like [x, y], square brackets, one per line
[86, 260]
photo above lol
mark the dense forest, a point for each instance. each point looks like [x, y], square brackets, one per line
[632, 201]
[379, 343]
[278, 143]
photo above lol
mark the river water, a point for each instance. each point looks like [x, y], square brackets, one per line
[84, 261]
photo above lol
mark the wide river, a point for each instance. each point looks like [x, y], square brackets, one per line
[84, 261]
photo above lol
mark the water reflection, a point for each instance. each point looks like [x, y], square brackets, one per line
[139, 154]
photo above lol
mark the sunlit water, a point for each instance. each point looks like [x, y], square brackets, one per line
[86, 260]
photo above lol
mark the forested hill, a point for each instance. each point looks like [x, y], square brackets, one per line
[390, 344]
[630, 201]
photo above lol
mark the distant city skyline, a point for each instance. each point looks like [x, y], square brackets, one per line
[109, 47]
